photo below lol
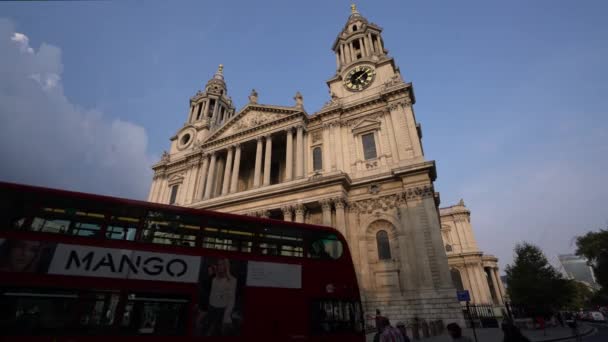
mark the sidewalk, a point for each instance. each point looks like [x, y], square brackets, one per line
[496, 335]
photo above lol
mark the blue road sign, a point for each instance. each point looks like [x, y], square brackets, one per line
[463, 296]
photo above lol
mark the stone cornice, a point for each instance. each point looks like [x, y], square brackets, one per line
[455, 209]
[276, 190]
[386, 202]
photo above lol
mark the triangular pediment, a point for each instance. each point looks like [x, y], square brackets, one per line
[366, 123]
[251, 117]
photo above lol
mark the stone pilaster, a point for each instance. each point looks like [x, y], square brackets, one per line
[326, 207]
[267, 159]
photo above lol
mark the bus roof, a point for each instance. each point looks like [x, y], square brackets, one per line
[109, 200]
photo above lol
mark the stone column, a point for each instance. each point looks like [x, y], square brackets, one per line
[300, 152]
[153, 189]
[267, 159]
[335, 146]
[227, 170]
[258, 164]
[369, 39]
[191, 182]
[342, 55]
[215, 111]
[326, 207]
[287, 213]
[363, 51]
[340, 218]
[162, 191]
[210, 176]
[496, 287]
[485, 287]
[474, 283]
[263, 213]
[300, 209]
[352, 51]
[289, 155]
[337, 60]
[235, 168]
[368, 51]
[503, 292]
[202, 179]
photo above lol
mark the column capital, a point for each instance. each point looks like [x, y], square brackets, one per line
[325, 203]
[263, 213]
[287, 209]
[339, 202]
[236, 145]
[299, 126]
[289, 129]
[300, 209]
[259, 138]
[268, 136]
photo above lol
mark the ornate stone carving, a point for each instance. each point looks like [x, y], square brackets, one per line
[420, 192]
[373, 189]
[300, 209]
[325, 204]
[371, 164]
[253, 97]
[287, 210]
[165, 158]
[299, 100]
[263, 213]
[339, 203]
[317, 136]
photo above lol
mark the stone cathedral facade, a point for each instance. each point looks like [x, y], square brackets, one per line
[357, 164]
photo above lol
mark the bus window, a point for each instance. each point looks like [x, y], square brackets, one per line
[335, 316]
[34, 312]
[96, 312]
[49, 225]
[325, 247]
[170, 229]
[122, 228]
[155, 315]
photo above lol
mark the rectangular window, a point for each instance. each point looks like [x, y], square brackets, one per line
[369, 146]
[173, 194]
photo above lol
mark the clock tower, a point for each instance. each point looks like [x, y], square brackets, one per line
[362, 62]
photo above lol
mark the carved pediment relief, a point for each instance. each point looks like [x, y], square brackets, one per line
[250, 118]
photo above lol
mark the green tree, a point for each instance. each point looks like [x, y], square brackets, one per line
[581, 295]
[536, 285]
[594, 247]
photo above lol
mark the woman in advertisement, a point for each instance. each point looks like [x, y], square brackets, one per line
[217, 319]
[24, 256]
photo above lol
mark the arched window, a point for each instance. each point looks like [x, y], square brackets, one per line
[448, 247]
[354, 27]
[317, 159]
[456, 279]
[384, 248]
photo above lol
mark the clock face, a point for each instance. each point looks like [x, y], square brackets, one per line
[359, 78]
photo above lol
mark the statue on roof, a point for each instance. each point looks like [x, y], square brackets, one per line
[253, 97]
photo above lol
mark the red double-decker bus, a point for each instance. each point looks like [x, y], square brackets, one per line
[76, 266]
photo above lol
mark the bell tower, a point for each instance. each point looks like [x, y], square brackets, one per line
[362, 62]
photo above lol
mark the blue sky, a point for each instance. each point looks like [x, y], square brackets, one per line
[511, 95]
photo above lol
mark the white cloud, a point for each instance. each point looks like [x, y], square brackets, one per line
[47, 140]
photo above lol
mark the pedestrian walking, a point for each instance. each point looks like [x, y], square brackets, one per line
[456, 333]
[389, 334]
[512, 332]
[401, 327]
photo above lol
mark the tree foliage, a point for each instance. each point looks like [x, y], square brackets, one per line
[594, 247]
[536, 285]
